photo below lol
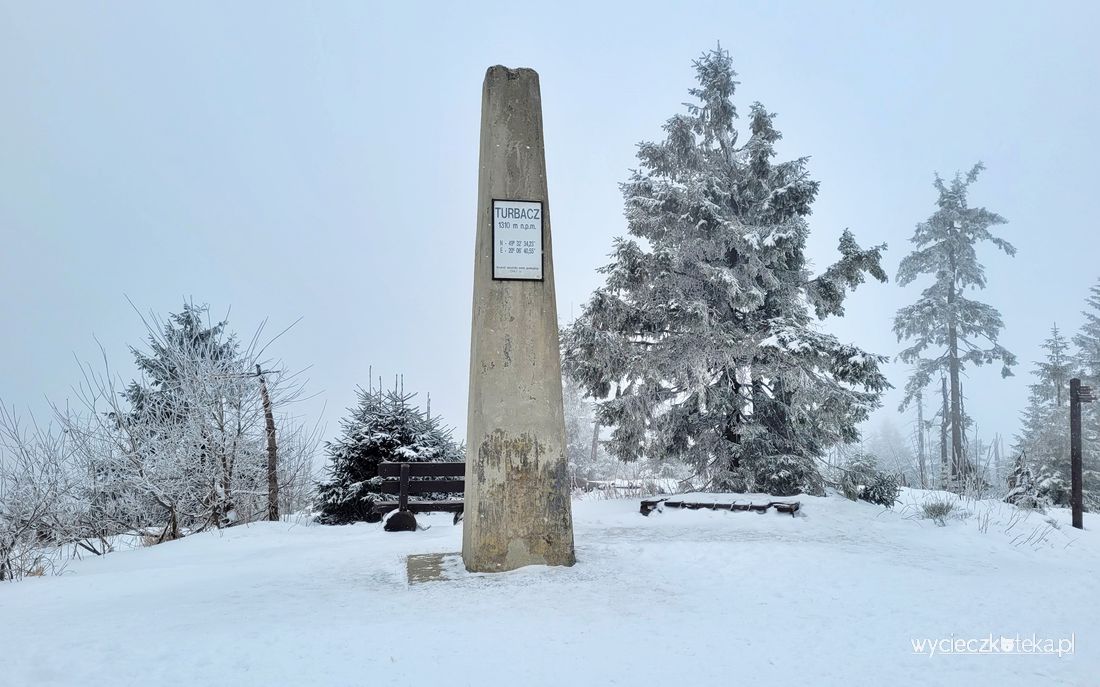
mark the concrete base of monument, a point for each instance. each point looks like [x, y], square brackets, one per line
[445, 567]
[517, 555]
[518, 510]
[431, 567]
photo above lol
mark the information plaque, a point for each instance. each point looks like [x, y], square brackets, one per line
[517, 239]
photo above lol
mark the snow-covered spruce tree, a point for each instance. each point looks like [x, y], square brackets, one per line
[1021, 486]
[181, 441]
[1043, 441]
[386, 426]
[862, 479]
[1087, 340]
[1087, 367]
[155, 395]
[703, 340]
[194, 392]
[948, 330]
[137, 443]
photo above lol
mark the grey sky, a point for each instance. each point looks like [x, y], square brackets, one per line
[320, 160]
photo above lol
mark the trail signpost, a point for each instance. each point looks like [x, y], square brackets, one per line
[517, 509]
[1078, 394]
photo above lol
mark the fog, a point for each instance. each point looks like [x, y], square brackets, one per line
[320, 162]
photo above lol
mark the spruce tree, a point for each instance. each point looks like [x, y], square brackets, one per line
[386, 426]
[1043, 440]
[187, 425]
[188, 330]
[703, 340]
[1087, 339]
[956, 330]
[1087, 367]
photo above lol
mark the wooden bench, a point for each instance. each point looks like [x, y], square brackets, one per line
[650, 505]
[403, 479]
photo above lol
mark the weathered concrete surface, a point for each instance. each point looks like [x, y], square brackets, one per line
[517, 490]
[427, 567]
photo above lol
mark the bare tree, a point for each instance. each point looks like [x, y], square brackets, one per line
[37, 512]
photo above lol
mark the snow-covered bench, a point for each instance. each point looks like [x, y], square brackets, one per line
[403, 479]
[702, 502]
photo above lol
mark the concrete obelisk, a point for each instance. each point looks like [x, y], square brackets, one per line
[517, 488]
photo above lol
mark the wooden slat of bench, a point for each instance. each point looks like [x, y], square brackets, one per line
[423, 469]
[426, 486]
[422, 506]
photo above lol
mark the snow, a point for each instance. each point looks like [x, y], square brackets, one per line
[831, 597]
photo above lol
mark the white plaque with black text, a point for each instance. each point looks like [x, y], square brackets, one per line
[517, 239]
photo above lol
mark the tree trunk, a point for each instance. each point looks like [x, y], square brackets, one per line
[958, 461]
[997, 455]
[733, 421]
[272, 453]
[920, 440]
[171, 530]
[595, 442]
[227, 510]
[944, 419]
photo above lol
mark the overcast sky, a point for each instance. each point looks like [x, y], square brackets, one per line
[280, 159]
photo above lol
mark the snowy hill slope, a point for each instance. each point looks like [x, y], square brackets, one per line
[833, 597]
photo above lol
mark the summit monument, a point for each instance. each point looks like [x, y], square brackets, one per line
[517, 508]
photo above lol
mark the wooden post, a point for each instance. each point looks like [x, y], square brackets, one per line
[272, 452]
[1077, 395]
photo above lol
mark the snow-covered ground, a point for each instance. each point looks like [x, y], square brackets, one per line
[835, 596]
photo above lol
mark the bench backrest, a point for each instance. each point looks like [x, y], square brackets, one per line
[406, 485]
[423, 469]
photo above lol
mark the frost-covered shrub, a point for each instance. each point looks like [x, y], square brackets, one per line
[36, 509]
[882, 490]
[1038, 493]
[1052, 488]
[938, 510]
[862, 480]
[1023, 493]
[1021, 498]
